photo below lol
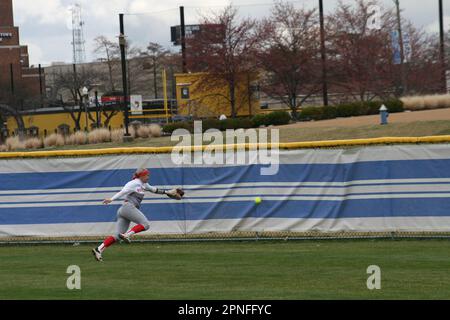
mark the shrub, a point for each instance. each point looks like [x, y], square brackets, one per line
[213, 124]
[33, 143]
[3, 147]
[117, 135]
[349, 110]
[143, 132]
[278, 118]
[346, 110]
[415, 103]
[14, 143]
[132, 132]
[443, 101]
[373, 107]
[259, 120]
[394, 105]
[273, 118]
[55, 139]
[155, 130]
[77, 138]
[311, 113]
[329, 112]
[99, 136]
[242, 123]
[171, 127]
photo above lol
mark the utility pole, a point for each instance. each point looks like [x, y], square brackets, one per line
[183, 39]
[402, 51]
[75, 83]
[164, 79]
[122, 43]
[323, 53]
[40, 85]
[96, 108]
[442, 47]
[155, 83]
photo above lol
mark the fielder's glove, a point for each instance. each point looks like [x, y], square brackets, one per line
[176, 194]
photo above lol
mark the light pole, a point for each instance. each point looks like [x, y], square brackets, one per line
[402, 52]
[323, 55]
[122, 44]
[85, 93]
[183, 39]
[96, 108]
[442, 46]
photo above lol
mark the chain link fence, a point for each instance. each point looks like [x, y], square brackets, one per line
[235, 236]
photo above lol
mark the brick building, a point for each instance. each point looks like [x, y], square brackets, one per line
[18, 82]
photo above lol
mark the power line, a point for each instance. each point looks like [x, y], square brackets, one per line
[149, 12]
[260, 4]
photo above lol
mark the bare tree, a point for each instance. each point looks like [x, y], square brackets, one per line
[424, 67]
[360, 59]
[289, 54]
[225, 50]
[73, 82]
[156, 54]
[108, 53]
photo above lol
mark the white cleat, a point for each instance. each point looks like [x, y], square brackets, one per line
[125, 238]
[97, 255]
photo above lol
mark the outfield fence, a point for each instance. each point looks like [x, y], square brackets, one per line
[371, 188]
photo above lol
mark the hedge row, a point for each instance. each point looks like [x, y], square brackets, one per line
[275, 118]
[349, 110]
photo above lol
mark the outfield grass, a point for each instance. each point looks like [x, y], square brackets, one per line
[410, 129]
[299, 133]
[414, 269]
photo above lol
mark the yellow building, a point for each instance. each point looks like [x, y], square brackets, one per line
[198, 95]
[202, 96]
[44, 122]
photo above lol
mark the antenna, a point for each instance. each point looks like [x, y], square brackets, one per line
[79, 52]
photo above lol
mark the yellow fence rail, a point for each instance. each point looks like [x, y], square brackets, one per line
[282, 146]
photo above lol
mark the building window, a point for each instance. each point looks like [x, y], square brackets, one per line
[64, 129]
[185, 93]
[33, 131]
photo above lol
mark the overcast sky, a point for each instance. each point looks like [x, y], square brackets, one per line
[44, 24]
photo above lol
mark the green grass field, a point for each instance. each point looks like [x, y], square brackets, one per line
[410, 269]
[299, 134]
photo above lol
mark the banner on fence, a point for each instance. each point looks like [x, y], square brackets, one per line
[364, 189]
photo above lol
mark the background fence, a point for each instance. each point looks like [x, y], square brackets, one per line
[377, 191]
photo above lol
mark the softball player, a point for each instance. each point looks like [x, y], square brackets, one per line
[133, 192]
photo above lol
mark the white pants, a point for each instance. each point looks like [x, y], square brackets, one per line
[129, 213]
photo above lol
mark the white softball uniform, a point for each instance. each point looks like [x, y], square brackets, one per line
[133, 193]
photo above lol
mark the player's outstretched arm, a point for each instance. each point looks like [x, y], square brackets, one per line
[125, 190]
[177, 193]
